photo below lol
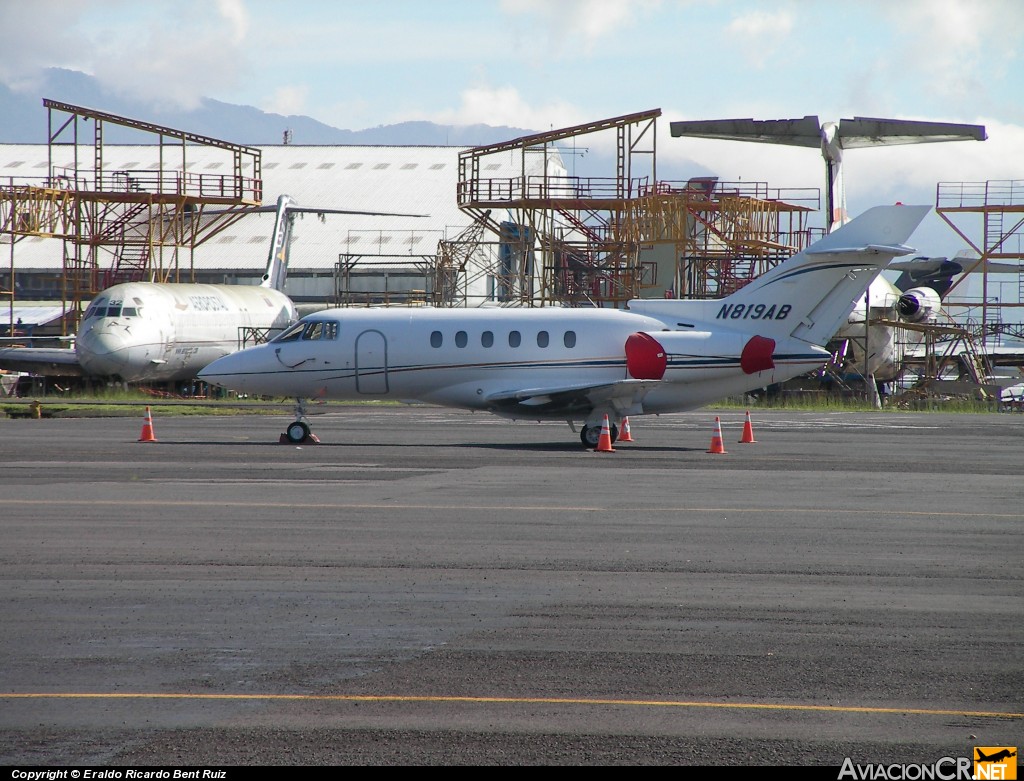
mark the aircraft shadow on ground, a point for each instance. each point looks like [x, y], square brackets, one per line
[533, 447]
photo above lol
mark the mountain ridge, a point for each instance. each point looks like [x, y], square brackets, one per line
[24, 120]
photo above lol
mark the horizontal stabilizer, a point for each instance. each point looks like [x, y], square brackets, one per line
[862, 132]
[895, 250]
[851, 133]
[792, 132]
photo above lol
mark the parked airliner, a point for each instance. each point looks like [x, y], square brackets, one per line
[167, 332]
[657, 356]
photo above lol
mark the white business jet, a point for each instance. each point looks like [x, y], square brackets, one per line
[167, 332]
[657, 356]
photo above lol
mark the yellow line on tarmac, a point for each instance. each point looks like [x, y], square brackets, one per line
[495, 508]
[506, 700]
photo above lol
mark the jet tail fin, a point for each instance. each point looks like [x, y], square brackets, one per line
[280, 245]
[810, 295]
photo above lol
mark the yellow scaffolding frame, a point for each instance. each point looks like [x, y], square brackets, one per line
[129, 215]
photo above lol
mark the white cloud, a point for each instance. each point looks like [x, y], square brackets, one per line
[177, 56]
[39, 35]
[569, 25]
[162, 53]
[288, 100]
[233, 12]
[760, 34]
[505, 106]
[958, 48]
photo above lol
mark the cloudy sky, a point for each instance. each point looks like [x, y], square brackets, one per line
[542, 64]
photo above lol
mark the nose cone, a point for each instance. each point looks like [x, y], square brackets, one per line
[256, 370]
[102, 352]
[228, 372]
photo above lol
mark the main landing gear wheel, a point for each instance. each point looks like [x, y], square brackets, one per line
[591, 435]
[297, 432]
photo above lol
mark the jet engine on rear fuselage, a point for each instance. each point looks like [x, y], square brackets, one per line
[919, 304]
[672, 355]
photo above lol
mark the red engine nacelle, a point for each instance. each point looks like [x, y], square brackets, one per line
[647, 354]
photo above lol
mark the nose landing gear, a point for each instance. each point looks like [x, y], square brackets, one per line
[298, 431]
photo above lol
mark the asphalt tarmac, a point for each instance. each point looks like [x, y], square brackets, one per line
[435, 587]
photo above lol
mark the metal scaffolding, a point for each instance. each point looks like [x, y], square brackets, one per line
[600, 241]
[115, 224]
[989, 216]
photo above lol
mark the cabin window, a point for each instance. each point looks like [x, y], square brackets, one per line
[514, 338]
[542, 338]
[436, 340]
[569, 339]
[461, 339]
[487, 338]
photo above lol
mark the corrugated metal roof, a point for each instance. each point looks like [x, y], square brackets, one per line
[31, 314]
[414, 179]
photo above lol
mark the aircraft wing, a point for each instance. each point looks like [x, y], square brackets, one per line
[47, 361]
[625, 396]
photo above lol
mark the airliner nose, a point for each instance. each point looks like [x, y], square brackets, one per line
[101, 352]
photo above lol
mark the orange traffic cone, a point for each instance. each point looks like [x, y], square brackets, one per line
[624, 436]
[147, 428]
[604, 442]
[748, 431]
[717, 446]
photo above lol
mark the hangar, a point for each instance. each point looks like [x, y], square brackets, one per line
[375, 259]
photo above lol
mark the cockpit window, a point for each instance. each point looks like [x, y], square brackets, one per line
[310, 330]
[97, 308]
[114, 310]
[292, 334]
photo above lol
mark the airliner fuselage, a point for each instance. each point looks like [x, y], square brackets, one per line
[168, 332]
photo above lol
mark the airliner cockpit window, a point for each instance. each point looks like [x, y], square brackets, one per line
[114, 310]
[97, 308]
[128, 311]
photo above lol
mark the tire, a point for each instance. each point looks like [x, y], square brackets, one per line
[297, 432]
[590, 436]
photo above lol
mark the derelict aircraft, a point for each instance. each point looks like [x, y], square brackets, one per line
[168, 331]
[874, 354]
[574, 364]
